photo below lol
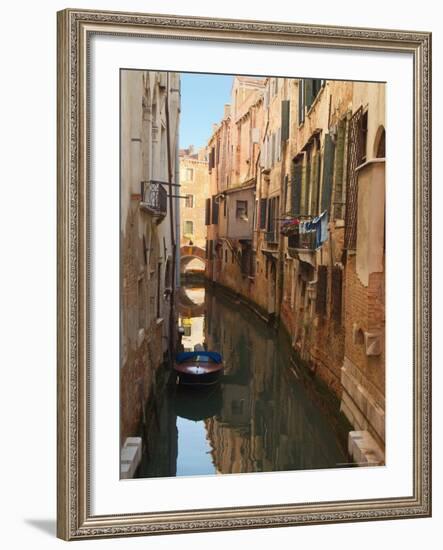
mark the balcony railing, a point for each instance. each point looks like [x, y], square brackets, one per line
[154, 198]
[302, 241]
[271, 237]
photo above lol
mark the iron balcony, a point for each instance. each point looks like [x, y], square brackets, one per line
[153, 198]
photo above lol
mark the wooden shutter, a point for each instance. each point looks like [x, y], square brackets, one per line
[309, 98]
[328, 173]
[301, 102]
[315, 184]
[214, 210]
[306, 183]
[339, 166]
[322, 288]
[285, 120]
[296, 183]
[337, 289]
[353, 160]
[211, 158]
[208, 212]
[255, 135]
[263, 207]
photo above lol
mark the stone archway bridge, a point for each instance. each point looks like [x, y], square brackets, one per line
[189, 253]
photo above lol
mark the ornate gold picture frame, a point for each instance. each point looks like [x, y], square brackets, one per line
[75, 517]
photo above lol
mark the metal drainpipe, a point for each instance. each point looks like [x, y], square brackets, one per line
[177, 208]
[172, 229]
[280, 264]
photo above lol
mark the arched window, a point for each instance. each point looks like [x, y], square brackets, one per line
[380, 143]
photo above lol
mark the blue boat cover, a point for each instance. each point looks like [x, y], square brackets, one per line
[185, 355]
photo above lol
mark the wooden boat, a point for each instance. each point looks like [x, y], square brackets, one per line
[198, 367]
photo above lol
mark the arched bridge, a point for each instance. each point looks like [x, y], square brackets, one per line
[187, 307]
[189, 253]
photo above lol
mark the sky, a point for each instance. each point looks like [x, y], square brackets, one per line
[203, 97]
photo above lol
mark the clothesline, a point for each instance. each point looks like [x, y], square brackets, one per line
[318, 224]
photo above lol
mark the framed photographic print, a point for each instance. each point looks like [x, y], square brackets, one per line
[243, 274]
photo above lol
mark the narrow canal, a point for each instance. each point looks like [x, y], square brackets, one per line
[266, 414]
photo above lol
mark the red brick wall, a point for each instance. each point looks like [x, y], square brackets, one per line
[365, 307]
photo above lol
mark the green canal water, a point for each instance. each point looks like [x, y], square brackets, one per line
[267, 413]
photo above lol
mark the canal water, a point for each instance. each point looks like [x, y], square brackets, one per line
[267, 413]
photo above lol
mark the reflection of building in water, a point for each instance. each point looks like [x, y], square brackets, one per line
[267, 421]
[160, 434]
[191, 305]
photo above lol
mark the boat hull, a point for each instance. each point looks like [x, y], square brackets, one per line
[202, 379]
[198, 368]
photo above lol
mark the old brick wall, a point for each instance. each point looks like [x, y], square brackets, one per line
[365, 312]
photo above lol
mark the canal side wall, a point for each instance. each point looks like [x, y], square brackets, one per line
[328, 296]
[146, 235]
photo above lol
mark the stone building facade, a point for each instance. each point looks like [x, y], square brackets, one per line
[307, 158]
[194, 188]
[150, 107]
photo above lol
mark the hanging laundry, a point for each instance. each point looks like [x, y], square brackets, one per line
[319, 224]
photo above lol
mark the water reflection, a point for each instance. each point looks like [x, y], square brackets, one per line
[267, 414]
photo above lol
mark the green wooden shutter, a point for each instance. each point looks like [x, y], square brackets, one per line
[315, 184]
[263, 207]
[301, 102]
[309, 97]
[304, 210]
[296, 183]
[285, 120]
[339, 164]
[328, 173]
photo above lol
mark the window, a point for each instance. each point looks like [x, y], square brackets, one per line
[328, 173]
[187, 330]
[363, 137]
[263, 208]
[226, 256]
[168, 273]
[301, 102]
[272, 215]
[214, 210]
[307, 92]
[296, 187]
[188, 228]
[189, 201]
[285, 120]
[241, 210]
[211, 159]
[208, 212]
[275, 82]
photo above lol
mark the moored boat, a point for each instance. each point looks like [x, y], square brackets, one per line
[198, 367]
